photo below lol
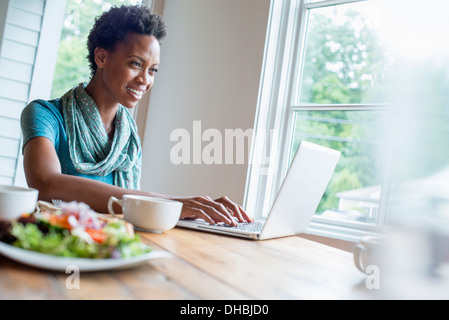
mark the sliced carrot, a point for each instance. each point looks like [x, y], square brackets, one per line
[61, 221]
[96, 235]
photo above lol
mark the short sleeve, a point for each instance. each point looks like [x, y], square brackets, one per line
[40, 119]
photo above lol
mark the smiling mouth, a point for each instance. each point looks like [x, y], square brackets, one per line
[136, 93]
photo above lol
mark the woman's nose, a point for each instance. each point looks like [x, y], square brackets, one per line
[145, 78]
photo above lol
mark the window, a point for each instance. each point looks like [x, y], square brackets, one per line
[327, 84]
[340, 101]
[369, 78]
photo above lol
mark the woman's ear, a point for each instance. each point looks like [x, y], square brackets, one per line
[100, 56]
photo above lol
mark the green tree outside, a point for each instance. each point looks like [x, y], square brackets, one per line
[344, 64]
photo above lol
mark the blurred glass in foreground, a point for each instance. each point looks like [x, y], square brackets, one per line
[417, 175]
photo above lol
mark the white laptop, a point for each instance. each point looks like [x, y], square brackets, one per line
[295, 203]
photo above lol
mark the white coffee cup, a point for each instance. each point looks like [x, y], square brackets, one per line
[15, 201]
[148, 213]
[370, 252]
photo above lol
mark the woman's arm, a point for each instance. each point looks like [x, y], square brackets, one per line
[43, 172]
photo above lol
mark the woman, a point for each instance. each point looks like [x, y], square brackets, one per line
[84, 146]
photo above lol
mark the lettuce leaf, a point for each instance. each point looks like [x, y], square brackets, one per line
[61, 242]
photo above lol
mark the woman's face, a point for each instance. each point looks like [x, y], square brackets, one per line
[128, 71]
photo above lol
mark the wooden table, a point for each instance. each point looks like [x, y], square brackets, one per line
[205, 267]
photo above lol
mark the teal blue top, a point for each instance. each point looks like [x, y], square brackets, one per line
[43, 118]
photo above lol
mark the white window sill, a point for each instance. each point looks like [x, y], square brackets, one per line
[341, 230]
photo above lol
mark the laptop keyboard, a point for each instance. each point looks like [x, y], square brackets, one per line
[255, 226]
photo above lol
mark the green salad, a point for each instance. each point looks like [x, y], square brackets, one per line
[74, 231]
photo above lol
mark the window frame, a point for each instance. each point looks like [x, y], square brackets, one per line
[280, 84]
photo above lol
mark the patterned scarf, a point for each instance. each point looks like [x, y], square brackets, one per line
[90, 148]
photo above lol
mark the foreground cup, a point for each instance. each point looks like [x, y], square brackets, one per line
[148, 213]
[370, 252]
[15, 201]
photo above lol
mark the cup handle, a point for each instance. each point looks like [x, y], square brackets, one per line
[111, 202]
[358, 252]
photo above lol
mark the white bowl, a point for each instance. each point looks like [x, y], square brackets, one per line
[15, 201]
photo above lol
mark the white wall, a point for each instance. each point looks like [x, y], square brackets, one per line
[210, 70]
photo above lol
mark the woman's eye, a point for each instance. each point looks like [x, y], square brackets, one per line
[136, 63]
[152, 71]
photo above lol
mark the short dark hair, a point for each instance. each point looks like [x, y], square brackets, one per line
[112, 26]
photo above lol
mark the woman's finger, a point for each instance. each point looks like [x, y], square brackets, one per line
[191, 213]
[237, 209]
[216, 212]
[221, 207]
[245, 215]
[231, 206]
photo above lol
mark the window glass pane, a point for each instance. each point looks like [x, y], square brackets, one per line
[354, 191]
[345, 61]
[313, 1]
[72, 66]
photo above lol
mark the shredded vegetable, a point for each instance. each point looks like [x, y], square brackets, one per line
[77, 231]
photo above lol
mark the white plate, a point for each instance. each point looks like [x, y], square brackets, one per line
[49, 262]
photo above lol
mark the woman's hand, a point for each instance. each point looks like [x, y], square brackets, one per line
[213, 211]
